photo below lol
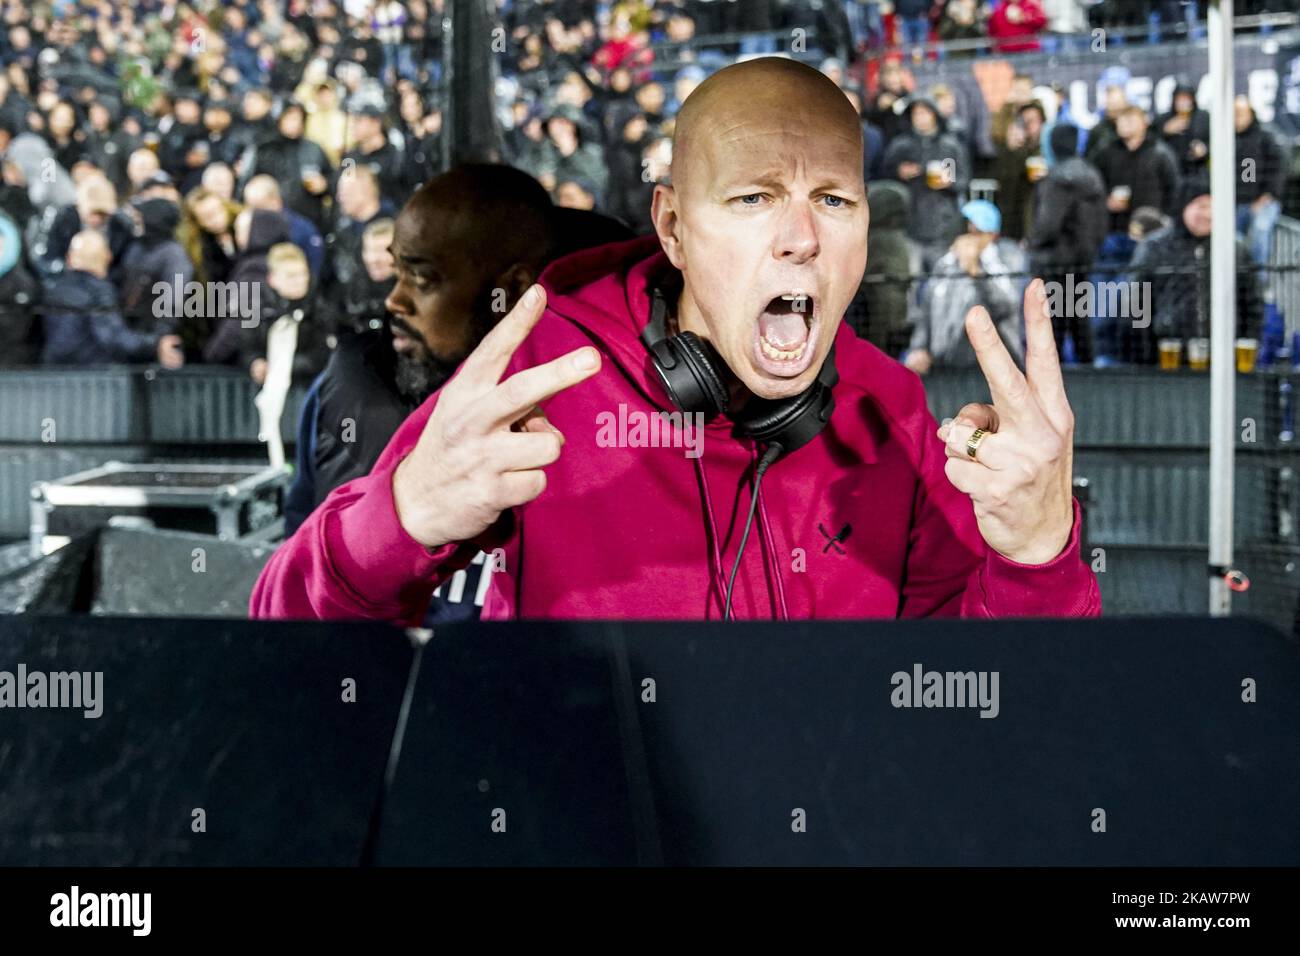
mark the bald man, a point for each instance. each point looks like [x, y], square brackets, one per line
[82, 320]
[660, 428]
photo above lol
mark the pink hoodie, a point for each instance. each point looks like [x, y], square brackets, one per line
[861, 522]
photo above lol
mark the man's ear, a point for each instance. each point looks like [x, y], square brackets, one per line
[514, 282]
[663, 213]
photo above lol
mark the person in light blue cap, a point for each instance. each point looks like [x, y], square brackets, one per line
[979, 269]
[983, 215]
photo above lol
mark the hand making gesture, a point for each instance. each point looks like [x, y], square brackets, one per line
[484, 446]
[1015, 457]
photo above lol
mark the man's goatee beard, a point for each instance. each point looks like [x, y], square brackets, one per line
[416, 380]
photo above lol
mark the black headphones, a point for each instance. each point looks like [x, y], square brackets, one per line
[689, 368]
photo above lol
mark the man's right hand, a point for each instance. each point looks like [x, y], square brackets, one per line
[919, 361]
[484, 446]
[170, 353]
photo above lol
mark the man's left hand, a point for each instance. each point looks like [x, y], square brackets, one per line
[1020, 480]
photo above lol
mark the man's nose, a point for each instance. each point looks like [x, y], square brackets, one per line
[396, 304]
[797, 240]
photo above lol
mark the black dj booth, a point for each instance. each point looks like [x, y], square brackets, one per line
[1115, 742]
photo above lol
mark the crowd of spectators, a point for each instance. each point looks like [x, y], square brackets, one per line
[156, 143]
[1121, 201]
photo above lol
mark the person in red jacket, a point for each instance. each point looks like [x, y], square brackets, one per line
[557, 448]
[1016, 24]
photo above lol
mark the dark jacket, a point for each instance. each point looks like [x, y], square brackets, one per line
[1101, 136]
[55, 229]
[83, 325]
[19, 295]
[1198, 130]
[1177, 264]
[265, 229]
[226, 341]
[343, 245]
[1070, 219]
[935, 215]
[357, 410]
[1150, 171]
[389, 166]
[154, 256]
[304, 234]
[873, 152]
[629, 195]
[1259, 150]
[879, 312]
[284, 160]
[312, 348]
[884, 114]
[1015, 190]
[354, 304]
[175, 143]
[359, 384]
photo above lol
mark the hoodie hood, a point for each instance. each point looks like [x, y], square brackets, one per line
[941, 124]
[265, 229]
[160, 217]
[890, 203]
[606, 290]
[1080, 176]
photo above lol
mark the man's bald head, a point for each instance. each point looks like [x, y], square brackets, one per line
[466, 246]
[730, 98]
[263, 192]
[465, 207]
[88, 252]
[766, 207]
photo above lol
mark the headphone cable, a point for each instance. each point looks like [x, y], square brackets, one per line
[772, 453]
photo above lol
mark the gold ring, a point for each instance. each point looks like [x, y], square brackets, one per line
[973, 443]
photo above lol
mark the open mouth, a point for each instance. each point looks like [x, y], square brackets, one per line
[786, 332]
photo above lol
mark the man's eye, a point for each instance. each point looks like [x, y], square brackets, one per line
[755, 196]
[835, 202]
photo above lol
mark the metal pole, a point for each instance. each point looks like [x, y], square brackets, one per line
[449, 105]
[1223, 302]
[470, 131]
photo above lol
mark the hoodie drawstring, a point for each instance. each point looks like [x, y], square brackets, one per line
[775, 568]
[718, 576]
[766, 543]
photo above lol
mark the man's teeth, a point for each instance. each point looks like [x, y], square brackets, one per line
[780, 354]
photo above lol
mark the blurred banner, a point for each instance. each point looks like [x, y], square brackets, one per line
[1147, 73]
[1287, 108]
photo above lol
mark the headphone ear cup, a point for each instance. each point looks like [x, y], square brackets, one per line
[790, 422]
[688, 367]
